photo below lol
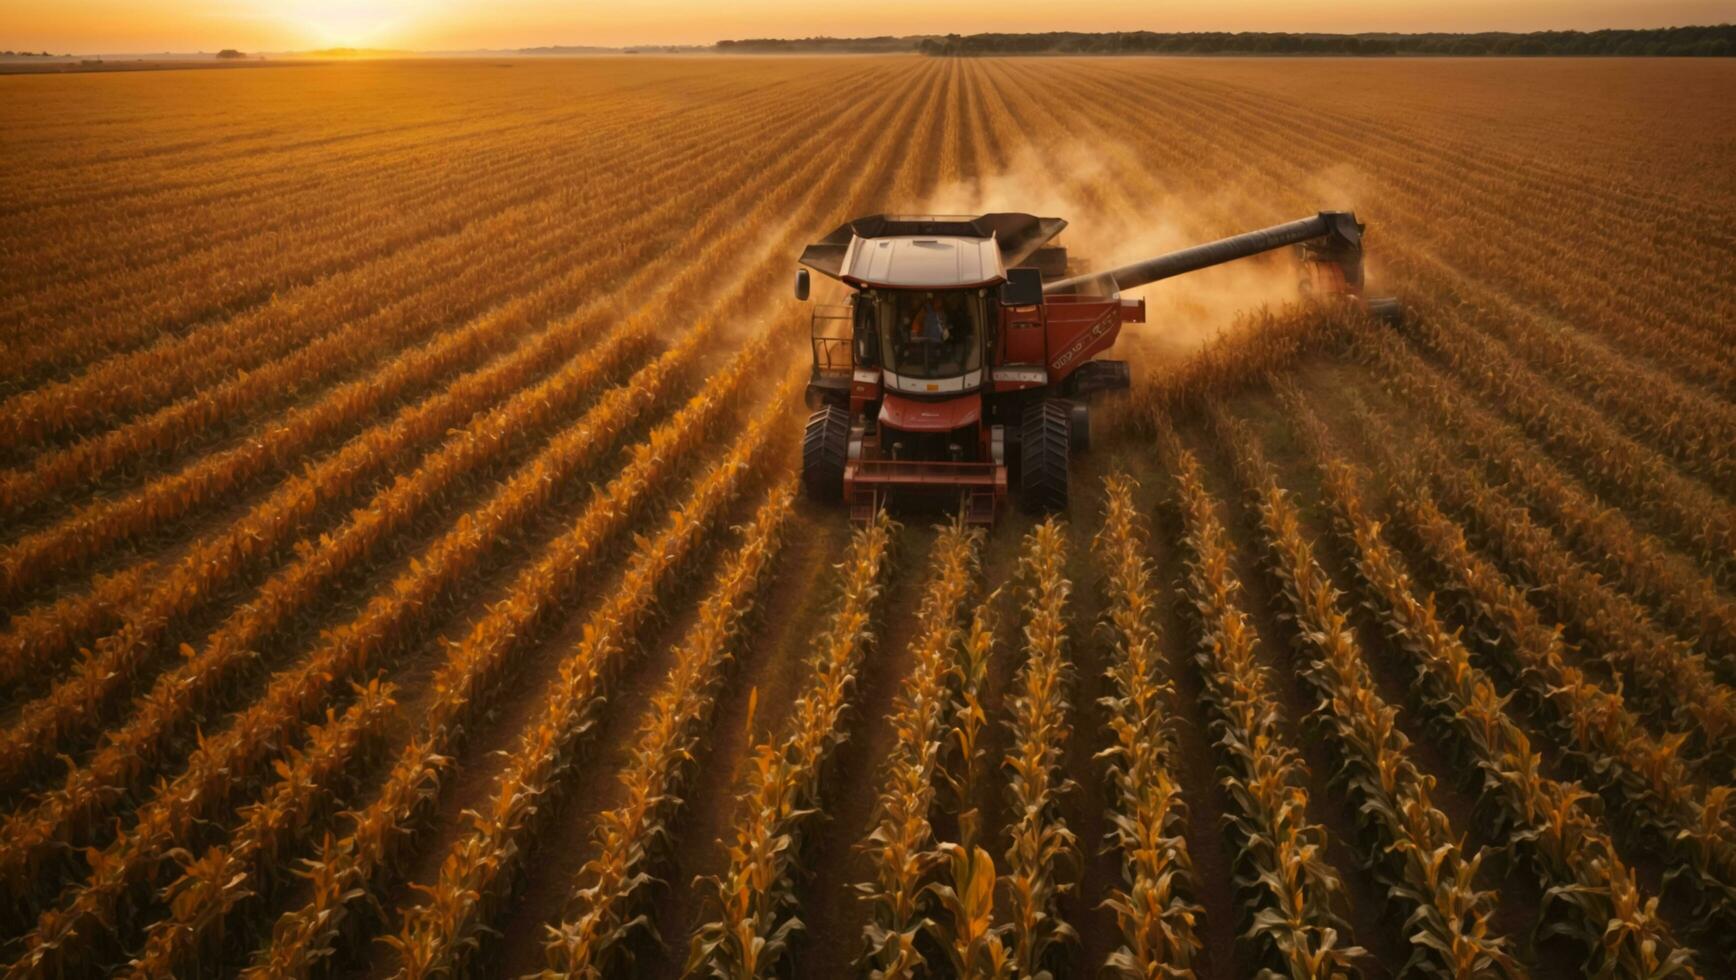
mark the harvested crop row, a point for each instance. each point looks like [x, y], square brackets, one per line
[1272, 141]
[1697, 431]
[1508, 250]
[1633, 475]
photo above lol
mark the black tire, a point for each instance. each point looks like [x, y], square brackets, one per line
[1044, 440]
[825, 446]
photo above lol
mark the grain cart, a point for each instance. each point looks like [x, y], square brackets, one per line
[968, 351]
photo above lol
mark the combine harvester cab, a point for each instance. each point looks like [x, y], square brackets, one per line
[969, 348]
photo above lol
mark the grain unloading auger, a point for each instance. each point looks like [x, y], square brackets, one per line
[968, 350]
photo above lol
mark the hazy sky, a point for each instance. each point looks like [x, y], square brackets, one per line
[93, 26]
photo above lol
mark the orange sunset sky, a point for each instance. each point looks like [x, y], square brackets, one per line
[115, 26]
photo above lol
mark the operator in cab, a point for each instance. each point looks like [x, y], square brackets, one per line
[931, 323]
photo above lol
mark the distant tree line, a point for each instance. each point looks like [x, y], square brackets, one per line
[1709, 41]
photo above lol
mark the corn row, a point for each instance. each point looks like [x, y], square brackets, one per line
[1154, 905]
[439, 935]
[323, 281]
[962, 913]
[214, 890]
[1430, 880]
[472, 538]
[348, 867]
[351, 869]
[754, 897]
[1591, 896]
[38, 641]
[373, 252]
[1042, 846]
[1290, 895]
[1633, 474]
[221, 765]
[236, 212]
[73, 938]
[1601, 535]
[901, 844]
[1694, 429]
[1604, 740]
[100, 525]
[611, 900]
[89, 696]
[33, 836]
[1672, 679]
[395, 354]
[961, 747]
[145, 379]
[217, 560]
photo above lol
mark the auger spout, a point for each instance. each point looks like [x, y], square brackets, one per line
[1330, 236]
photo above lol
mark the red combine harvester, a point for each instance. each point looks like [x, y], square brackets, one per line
[968, 350]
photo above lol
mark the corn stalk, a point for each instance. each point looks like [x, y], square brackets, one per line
[754, 898]
[1290, 896]
[901, 845]
[1154, 905]
[1591, 897]
[439, 936]
[611, 910]
[1430, 880]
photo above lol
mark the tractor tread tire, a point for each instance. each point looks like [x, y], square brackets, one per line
[1044, 443]
[825, 448]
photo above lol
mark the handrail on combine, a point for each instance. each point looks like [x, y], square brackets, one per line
[832, 354]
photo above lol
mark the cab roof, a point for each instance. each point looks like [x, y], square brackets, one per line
[927, 251]
[926, 263]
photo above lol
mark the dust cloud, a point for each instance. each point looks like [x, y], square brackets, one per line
[1110, 225]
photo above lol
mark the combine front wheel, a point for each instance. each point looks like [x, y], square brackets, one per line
[825, 445]
[1043, 445]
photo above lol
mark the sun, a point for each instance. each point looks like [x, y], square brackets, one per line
[336, 23]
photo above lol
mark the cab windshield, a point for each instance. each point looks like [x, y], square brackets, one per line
[926, 334]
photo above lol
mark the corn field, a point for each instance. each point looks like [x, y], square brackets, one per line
[405, 574]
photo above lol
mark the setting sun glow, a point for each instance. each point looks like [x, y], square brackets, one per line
[260, 25]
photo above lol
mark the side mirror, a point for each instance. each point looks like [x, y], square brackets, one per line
[802, 285]
[1024, 287]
